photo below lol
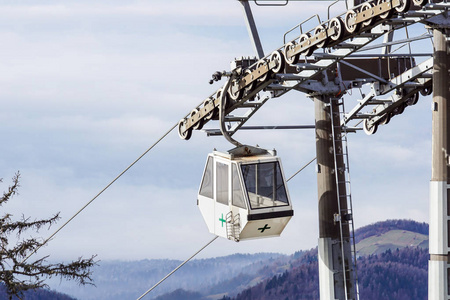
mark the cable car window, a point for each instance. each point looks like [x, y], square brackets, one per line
[222, 183]
[238, 196]
[206, 188]
[265, 185]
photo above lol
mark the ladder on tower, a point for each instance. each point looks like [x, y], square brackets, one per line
[343, 189]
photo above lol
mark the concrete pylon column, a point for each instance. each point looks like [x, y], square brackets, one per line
[331, 258]
[439, 263]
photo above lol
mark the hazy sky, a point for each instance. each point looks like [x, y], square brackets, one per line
[87, 86]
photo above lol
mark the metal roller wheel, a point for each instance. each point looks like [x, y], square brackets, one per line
[364, 7]
[278, 58]
[404, 6]
[211, 114]
[308, 50]
[294, 58]
[261, 63]
[319, 29]
[413, 99]
[420, 2]
[234, 92]
[226, 101]
[385, 120]
[187, 134]
[249, 88]
[399, 109]
[351, 14]
[338, 26]
[369, 129]
[199, 124]
[387, 14]
[427, 91]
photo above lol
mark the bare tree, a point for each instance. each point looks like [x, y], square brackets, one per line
[17, 273]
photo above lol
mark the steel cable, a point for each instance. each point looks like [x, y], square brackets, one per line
[176, 269]
[187, 260]
[301, 169]
[96, 196]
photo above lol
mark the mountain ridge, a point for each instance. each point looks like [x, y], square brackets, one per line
[398, 272]
[126, 280]
[381, 227]
[39, 294]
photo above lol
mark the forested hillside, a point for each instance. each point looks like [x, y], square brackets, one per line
[398, 274]
[393, 275]
[389, 274]
[40, 294]
[118, 280]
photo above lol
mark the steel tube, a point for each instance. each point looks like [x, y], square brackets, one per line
[438, 270]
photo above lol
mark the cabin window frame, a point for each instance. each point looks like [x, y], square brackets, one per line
[236, 177]
[207, 185]
[222, 182]
[258, 199]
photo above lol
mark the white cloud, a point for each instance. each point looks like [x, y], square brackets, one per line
[86, 88]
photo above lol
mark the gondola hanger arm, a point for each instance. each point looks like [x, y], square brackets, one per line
[222, 108]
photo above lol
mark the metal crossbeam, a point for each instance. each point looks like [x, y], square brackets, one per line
[312, 74]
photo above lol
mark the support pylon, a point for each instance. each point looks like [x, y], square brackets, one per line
[335, 271]
[439, 263]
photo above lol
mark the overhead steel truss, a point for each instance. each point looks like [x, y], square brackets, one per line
[327, 60]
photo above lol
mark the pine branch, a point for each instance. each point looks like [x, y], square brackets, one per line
[25, 224]
[13, 267]
[12, 190]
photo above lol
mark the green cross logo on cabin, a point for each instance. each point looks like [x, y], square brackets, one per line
[222, 220]
[264, 228]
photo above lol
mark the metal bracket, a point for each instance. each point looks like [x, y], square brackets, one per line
[336, 218]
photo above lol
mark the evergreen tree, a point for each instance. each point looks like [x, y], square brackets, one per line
[17, 273]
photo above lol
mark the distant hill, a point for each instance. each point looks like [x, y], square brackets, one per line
[392, 250]
[391, 240]
[379, 228]
[393, 275]
[40, 294]
[402, 274]
[180, 294]
[391, 235]
[393, 265]
[118, 280]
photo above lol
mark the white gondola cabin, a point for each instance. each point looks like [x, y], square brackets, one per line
[243, 194]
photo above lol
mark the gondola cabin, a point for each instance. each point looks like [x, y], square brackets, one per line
[243, 194]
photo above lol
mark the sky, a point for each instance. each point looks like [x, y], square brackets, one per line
[87, 86]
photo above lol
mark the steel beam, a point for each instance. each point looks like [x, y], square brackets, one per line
[252, 30]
